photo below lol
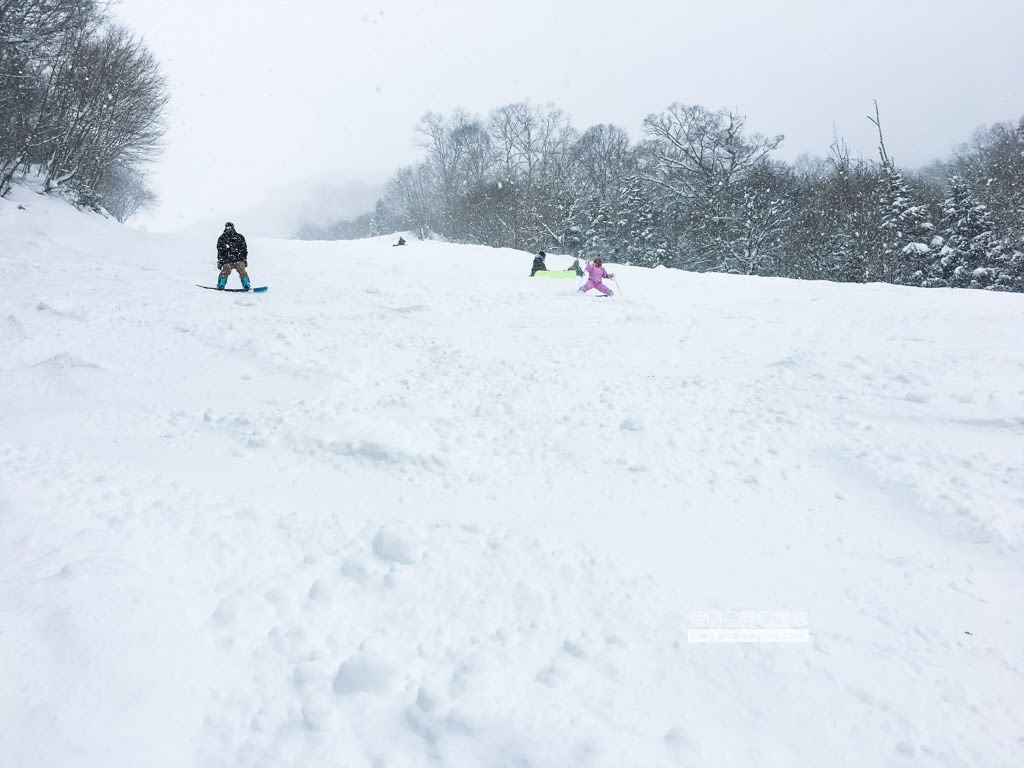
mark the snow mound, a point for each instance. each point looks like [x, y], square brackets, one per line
[362, 673]
[394, 548]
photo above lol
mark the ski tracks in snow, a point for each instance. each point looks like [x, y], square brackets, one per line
[392, 514]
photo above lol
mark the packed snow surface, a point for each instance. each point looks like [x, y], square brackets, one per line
[412, 508]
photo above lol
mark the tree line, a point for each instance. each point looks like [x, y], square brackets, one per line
[702, 192]
[81, 103]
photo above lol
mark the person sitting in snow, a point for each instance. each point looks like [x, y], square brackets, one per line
[576, 268]
[232, 254]
[595, 274]
[538, 264]
[401, 241]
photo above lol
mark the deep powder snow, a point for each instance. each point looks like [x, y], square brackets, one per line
[411, 507]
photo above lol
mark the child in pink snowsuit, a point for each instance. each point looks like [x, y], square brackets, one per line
[596, 273]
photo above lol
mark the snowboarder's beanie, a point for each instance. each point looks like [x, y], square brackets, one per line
[229, 225]
[541, 254]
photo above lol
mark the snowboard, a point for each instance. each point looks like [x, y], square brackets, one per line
[559, 275]
[261, 289]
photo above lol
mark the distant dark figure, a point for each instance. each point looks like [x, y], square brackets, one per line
[538, 264]
[232, 254]
[576, 268]
[401, 241]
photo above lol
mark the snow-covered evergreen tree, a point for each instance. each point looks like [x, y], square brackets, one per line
[759, 220]
[380, 220]
[834, 230]
[639, 225]
[906, 230]
[971, 249]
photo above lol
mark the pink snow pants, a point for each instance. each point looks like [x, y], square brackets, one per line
[599, 285]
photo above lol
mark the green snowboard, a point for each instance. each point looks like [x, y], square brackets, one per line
[556, 275]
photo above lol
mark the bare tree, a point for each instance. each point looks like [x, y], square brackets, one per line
[699, 159]
[124, 193]
[413, 199]
[698, 150]
[37, 39]
[111, 108]
[82, 101]
[459, 156]
[603, 156]
[532, 145]
[529, 139]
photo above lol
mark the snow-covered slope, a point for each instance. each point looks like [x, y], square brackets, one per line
[411, 507]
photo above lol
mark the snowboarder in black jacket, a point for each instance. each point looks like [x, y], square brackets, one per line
[538, 264]
[232, 254]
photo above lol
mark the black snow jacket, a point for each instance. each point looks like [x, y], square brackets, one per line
[538, 266]
[231, 248]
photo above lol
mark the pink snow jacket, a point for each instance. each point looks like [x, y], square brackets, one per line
[596, 273]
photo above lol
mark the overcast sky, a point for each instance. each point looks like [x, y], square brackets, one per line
[272, 98]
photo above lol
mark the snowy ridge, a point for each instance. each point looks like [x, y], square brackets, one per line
[413, 508]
